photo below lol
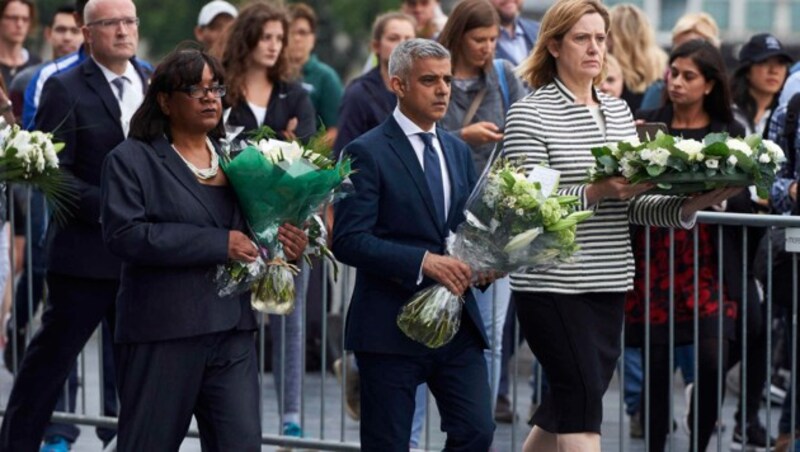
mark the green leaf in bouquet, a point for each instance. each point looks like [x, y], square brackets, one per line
[753, 140]
[714, 138]
[743, 160]
[624, 146]
[567, 200]
[261, 133]
[678, 162]
[601, 151]
[562, 224]
[610, 163]
[655, 170]
[508, 178]
[664, 186]
[717, 149]
[662, 140]
[581, 215]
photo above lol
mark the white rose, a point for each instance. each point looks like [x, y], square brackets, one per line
[712, 163]
[774, 151]
[646, 154]
[764, 158]
[739, 145]
[627, 169]
[660, 157]
[692, 147]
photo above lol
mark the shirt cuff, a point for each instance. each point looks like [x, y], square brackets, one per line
[420, 276]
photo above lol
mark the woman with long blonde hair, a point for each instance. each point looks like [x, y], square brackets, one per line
[632, 41]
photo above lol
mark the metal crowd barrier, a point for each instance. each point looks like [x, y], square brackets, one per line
[327, 427]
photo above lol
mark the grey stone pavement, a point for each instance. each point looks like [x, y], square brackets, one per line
[328, 421]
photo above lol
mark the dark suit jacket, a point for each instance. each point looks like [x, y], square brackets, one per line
[386, 227]
[156, 220]
[80, 109]
[288, 100]
[530, 31]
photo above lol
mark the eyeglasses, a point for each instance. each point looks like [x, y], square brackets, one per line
[199, 92]
[23, 19]
[129, 22]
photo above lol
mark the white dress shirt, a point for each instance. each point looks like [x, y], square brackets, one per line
[412, 132]
[132, 94]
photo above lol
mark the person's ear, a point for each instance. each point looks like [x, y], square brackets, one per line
[162, 103]
[398, 87]
[553, 47]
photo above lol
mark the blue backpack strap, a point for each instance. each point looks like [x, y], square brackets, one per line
[501, 77]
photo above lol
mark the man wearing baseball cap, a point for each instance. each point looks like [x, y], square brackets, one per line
[213, 20]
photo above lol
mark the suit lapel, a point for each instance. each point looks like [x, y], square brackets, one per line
[183, 174]
[400, 144]
[97, 82]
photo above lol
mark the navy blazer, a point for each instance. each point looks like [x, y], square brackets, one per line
[80, 109]
[530, 31]
[155, 219]
[287, 101]
[385, 228]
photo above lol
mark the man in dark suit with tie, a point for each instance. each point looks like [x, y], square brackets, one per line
[88, 108]
[411, 182]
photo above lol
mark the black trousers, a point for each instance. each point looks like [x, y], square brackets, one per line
[213, 377]
[75, 309]
[456, 375]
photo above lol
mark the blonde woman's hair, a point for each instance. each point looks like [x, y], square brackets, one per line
[634, 45]
[539, 68]
[700, 23]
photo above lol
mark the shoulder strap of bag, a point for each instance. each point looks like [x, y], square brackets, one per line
[473, 107]
[501, 78]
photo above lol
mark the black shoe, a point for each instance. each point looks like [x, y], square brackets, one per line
[756, 438]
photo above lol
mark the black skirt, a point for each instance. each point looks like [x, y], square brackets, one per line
[576, 338]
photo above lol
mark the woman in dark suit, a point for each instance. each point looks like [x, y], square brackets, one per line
[170, 215]
[259, 91]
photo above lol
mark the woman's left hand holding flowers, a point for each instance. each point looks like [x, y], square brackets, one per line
[294, 241]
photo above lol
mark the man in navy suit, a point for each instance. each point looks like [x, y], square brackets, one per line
[411, 182]
[89, 108]
[517, 34]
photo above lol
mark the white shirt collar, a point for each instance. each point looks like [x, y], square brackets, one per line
[408, 126]
[130, 72]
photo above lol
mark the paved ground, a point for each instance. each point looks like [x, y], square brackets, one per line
[325, 419]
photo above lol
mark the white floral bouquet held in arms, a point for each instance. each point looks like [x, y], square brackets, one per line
[512, 223]
[680, 166]
[30, 157]
[277, 182]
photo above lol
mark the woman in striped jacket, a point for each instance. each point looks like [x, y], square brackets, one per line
[572, 314]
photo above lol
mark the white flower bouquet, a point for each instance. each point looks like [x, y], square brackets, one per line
[30, 157]
[511, 223]
[680, 166]
[278, 182]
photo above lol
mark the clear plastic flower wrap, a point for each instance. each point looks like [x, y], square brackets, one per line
[512, 223]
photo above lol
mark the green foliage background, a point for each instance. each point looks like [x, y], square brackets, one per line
[165, 23]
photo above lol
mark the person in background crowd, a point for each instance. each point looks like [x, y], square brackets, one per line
[699, 103]
[320, 80]
[614, 82]
[33, 92]
[88, 108]
[212, 23]
[572, 314]
[258, 90]
[757, 82]
[689, 26]
[632, 41]
[17, 17]
[259, 94]
[428, 14]
[517, 34]
[64, 36]
[366, 103]
[396, 244]
[183, 350]
[482, 91]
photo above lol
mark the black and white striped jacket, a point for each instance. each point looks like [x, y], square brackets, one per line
[547, 127]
